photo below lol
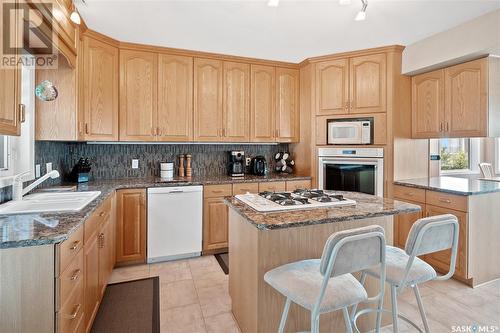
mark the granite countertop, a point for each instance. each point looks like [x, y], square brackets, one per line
[453, 185]
[48, 228]
[367, 206]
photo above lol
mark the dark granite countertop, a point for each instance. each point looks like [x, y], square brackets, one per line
[48, 228]
[453, 185]
[367, 206]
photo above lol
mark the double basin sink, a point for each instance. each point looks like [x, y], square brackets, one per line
[49, 202]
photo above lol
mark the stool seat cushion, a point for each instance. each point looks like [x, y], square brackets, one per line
[301, 282]
[396, 260]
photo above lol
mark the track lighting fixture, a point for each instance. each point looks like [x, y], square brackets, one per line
[362, 13]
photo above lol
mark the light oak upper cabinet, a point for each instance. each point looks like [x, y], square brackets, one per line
[466, 104]
[427, 104]
[130, 226]
[100, 90]
[287, 105]
[332, 82]
[262, 104]
[368, 83]
[175, 98]
[207, 100]
[451, 102]
[138, 90]
[10, 91]
[236, 102]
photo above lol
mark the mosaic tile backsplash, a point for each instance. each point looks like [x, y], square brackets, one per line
[111, 161]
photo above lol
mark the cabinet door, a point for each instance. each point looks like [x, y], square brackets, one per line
[106, 255]
[91, 269]
[441, 260]
[427, 108]
[287, 105]
[466, 104]
[100, 90]
[138, 89]
[236, 102]
[332, 82]
[215, 220]
[207, 100]
[131, 226]
[403, 223]
[175, 98]
[368, 84]
[10, 89]
[262, 105]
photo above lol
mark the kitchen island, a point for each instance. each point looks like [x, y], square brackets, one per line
[260, 241]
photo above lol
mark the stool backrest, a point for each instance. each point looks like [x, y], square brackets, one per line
[437, 234]
[353, 250]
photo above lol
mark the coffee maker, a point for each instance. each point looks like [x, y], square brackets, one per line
[236, 165]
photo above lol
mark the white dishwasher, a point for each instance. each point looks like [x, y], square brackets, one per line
[174, 222]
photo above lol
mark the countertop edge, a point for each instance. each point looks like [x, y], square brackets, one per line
[444, 190]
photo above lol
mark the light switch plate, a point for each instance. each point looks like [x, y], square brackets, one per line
[135, 163]
[48, 167]
[247, 161]
[37, 171]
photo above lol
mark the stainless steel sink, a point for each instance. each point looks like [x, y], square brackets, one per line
[49, 202]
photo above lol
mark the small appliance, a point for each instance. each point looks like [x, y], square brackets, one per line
[258, 166]
[236, 166]
[350, 131]
[81, 171]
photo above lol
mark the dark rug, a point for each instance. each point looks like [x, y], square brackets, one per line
[131, 306]
[223, 260]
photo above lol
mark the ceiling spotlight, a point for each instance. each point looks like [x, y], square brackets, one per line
[362, 13]
[273, 3]
[344, 2]
[75, 17]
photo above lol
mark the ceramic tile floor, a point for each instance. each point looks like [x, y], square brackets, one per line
[194, 295]
[194, 298]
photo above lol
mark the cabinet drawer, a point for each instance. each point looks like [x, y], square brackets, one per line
[245, 187]
[215, 191]
[272, 186]
[70, 315]
[97, 219]
[69, 279]
[457, 202]
[293, 185]
[409, 193]
[68, 249]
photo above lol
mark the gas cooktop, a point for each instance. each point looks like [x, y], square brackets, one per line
[298, 199]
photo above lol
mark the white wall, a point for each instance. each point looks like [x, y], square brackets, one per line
[470, 40]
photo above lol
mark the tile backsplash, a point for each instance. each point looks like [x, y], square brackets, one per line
[115, 160]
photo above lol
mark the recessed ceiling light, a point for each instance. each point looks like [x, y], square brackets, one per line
[362, 13]
[344, 2]
[273, 3]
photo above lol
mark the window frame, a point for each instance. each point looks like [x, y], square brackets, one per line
[473, 157]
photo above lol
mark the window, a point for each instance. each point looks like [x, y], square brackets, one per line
[455, 154]
[459, 155]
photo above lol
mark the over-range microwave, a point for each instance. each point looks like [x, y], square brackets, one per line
[350, 131]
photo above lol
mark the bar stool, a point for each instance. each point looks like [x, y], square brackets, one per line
[404, 268]
[326, 285]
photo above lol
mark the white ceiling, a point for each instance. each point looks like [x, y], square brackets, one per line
[292, 31]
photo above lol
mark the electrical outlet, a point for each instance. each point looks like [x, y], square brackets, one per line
[135, 164]
[48, 167]
[247, 161]
[37, 171]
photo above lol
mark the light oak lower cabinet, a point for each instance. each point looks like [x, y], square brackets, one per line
[91, 269]
[215, 218]
[404, 222]
[131, 226]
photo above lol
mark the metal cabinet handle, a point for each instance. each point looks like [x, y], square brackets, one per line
[75, 312]
[101, 240]
[176, 191]
[86, 128]
[75, 275]
[217, 191]
[445, 200]
[102, 214]
[75, 246]
[22, 113]
[410, 194]
[447, 127]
